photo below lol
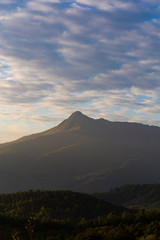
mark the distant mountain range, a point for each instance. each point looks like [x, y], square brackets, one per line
[133, 196]
[82, 154]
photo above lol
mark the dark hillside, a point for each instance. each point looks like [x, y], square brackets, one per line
[50, 205]
[137, 196]
[82, 154]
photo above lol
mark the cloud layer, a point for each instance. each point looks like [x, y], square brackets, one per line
[56, 56]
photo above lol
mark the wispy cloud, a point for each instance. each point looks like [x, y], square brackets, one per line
[98, 56]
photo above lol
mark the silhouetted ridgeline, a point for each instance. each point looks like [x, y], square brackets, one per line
[82, 154]
[137, 196]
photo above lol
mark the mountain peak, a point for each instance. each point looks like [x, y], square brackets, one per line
[77, 114]
[76, 121]
[78, 117]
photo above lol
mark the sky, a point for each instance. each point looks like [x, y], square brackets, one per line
[100, 57]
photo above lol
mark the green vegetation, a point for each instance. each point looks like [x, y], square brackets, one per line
[46, 206]
[135, 196]
[66, 215]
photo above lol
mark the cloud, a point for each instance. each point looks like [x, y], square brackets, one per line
[107, 5]
[82, 44]
[101, 56]
[9, 1]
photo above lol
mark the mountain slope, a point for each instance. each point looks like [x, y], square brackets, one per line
[137, 196]
[82, 154]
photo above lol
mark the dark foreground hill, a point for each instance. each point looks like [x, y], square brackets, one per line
[47, 206]
[82, 154]
[135, 196]
[66, 215]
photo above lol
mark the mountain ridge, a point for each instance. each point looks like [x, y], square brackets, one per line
[75, 122]
[82, 154]
[133, 196]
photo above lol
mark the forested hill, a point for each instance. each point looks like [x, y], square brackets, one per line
[66, 215]
[146, 195]
[50, 205]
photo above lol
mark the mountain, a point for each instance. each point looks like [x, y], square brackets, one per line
[82, 154]
[135, 196]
